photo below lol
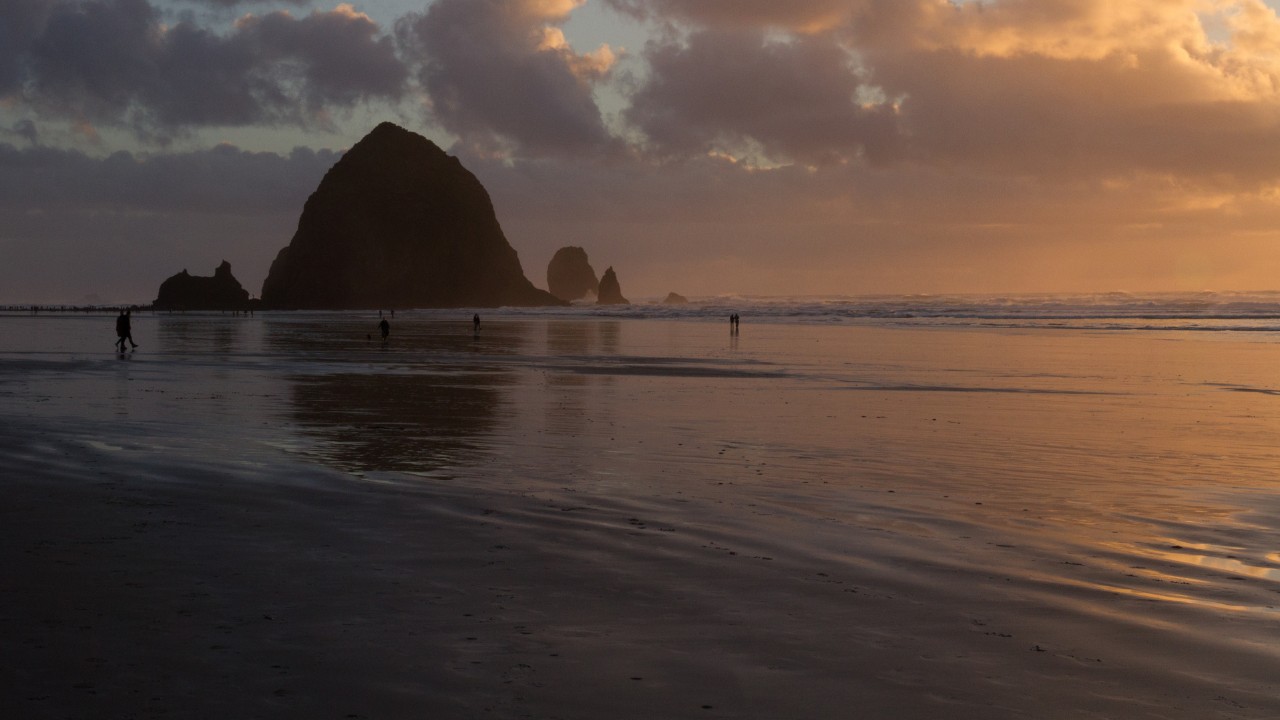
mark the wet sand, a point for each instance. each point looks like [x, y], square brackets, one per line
[274, 517]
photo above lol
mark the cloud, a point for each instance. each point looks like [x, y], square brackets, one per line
[343, 58]
[234, 3]
[796, 99]
[1062, 88]
[20, 23]
[221, 179]
[118, 63]
[71, 223]
[798, 15]
[709, 225]
[25, 129]
[501, 77]
[1055, 89]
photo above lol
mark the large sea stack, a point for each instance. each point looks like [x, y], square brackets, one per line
[194, 292]
[397, 222]
[570, 275]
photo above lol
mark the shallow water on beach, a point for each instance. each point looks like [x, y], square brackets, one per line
[1095, 493]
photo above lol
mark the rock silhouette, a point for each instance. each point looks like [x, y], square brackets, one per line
[570, 276]
[397, 222]
[610, 292]
[675, 299]
[194, 292]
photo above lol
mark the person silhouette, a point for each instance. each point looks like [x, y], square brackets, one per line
[128, 330]
[475, 322]
[385, 328]
[122, 330]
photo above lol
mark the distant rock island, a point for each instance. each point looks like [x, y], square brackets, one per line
[397, 222]
[675, 299]
[610, 292]
[194, 292]
[570, 275]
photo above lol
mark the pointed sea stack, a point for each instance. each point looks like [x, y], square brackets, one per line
[397, 222]
[610, 291]
[193, 292]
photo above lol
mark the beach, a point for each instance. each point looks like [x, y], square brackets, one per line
[603, 517]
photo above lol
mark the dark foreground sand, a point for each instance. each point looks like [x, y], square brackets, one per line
[143, 579]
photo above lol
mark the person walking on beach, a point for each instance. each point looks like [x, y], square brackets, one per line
[475, 322]
[122, 330]
[128, 330]
[385, 328]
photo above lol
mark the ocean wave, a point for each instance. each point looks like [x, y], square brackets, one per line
[1201, 311]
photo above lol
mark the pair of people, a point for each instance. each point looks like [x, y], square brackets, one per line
[124, 331]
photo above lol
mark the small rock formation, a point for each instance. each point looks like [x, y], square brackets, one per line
[193, 292]
[570, 276]
[675, 299]
[397, 222]
[610, 292]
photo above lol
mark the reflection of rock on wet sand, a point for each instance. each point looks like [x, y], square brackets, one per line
[404, 423]
[582, 337]
[199, 334]
[567, 410]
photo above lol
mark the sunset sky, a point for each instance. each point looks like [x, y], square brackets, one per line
[697, 146]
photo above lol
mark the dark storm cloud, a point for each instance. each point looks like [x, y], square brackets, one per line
[20, 23]
[118, 63]
[499, 75]
[796, 99]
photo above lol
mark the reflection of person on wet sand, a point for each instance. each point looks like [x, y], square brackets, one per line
[385, 328]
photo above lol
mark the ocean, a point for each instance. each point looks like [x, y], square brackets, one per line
[1241, 311]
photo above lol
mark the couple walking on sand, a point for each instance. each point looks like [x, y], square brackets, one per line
[124, 331]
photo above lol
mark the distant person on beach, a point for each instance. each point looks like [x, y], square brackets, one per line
[475, 322]
[385, 328]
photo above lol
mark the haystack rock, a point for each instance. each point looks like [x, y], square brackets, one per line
[570, 276]
[397, 222]
[194, 292]
[610, 292]
[675, 299]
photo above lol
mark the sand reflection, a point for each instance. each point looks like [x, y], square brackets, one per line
[200, 334]
[425, 402]
[414, 423]
[569, 411]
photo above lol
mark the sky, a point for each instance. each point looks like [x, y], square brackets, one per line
[705, 147]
